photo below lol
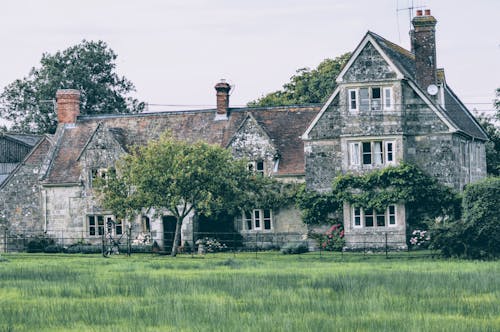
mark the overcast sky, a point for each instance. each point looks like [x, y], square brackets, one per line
[175, 51]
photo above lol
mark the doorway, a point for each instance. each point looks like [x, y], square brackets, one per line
[169, 223]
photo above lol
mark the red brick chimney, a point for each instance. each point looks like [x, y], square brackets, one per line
[68, 105]
[423, 45]
[222, 89]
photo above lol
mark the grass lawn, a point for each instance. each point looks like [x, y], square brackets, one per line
[223, 292]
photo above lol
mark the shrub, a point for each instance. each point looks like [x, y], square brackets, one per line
[53, 249]
[332, 239]
[38, 243]
[211, 244]
[295, 248]
[477, 235]
[84, 249]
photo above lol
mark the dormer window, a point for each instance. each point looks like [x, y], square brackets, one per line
[256, 167]
[370, 99]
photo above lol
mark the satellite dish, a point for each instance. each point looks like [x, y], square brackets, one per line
[432, 90]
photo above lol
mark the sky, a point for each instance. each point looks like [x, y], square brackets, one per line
[176, 51]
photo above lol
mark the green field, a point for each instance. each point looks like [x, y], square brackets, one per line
[224, 292]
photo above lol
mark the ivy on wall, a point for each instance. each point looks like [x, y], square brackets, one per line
[424, 197]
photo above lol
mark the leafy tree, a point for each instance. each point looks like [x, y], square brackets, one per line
[492, 146]
[306, 86]
[89, 67]
[178, 177]
[477, 234]
[424, 197]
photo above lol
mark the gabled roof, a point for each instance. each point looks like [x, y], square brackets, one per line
[403, 61]
[284, 125]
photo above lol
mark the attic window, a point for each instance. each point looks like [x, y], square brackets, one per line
[370, 98]
[256, 167]
[100, 173]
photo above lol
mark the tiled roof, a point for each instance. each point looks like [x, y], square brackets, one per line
[283, 124]
[27, 139]
[460, 116]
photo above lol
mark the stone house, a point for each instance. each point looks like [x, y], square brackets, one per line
[13, 149]
[54, 185]
[391, 106]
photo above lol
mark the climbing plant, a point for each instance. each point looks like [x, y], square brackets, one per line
[424, 197]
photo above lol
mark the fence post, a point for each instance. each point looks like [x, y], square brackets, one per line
[129, 236]
[256, 248]
[386, 256]
[5, 241]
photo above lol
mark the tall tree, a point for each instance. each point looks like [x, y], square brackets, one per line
[306, 86]
[178, 177]
[89, 67]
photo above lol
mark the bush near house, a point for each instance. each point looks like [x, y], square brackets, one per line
[477, 234]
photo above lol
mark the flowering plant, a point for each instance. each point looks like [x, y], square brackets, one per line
[419, 238]
[332, 239]
[211, 244]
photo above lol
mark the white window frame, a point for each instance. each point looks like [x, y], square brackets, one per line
[391, 152]
[351, 100]
[389, 215]
[256, 219]
[100, 225]
[377, 158]
[384, 103]
[359, 214]
[388, 99]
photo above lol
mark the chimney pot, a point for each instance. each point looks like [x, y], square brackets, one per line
[68, 105]
[222, 89]
[427, 12]
[419, 12]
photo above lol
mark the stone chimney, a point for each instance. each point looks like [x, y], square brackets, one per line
[423, 45]
[68, 106]
[222, 89]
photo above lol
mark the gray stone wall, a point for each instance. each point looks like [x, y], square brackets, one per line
[369, 66]
[20, 196]
[252, 143]
[323, 162]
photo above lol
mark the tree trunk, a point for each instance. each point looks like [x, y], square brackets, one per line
[177, 237]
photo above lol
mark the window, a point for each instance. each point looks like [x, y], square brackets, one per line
[355, 153]
[371, 153]
[102, 173]
[97, 224]
[256, 167]
[391, 215]
[357, 216]
[389, 152]
[258, 219]
[370, 98]
[376, 99]
[353, 100]
[388, 104]
[372, 218]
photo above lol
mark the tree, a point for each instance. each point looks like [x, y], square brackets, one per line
[477, 234]
[89, 67]
[178, 177]
[306, 86]
[492, 146]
